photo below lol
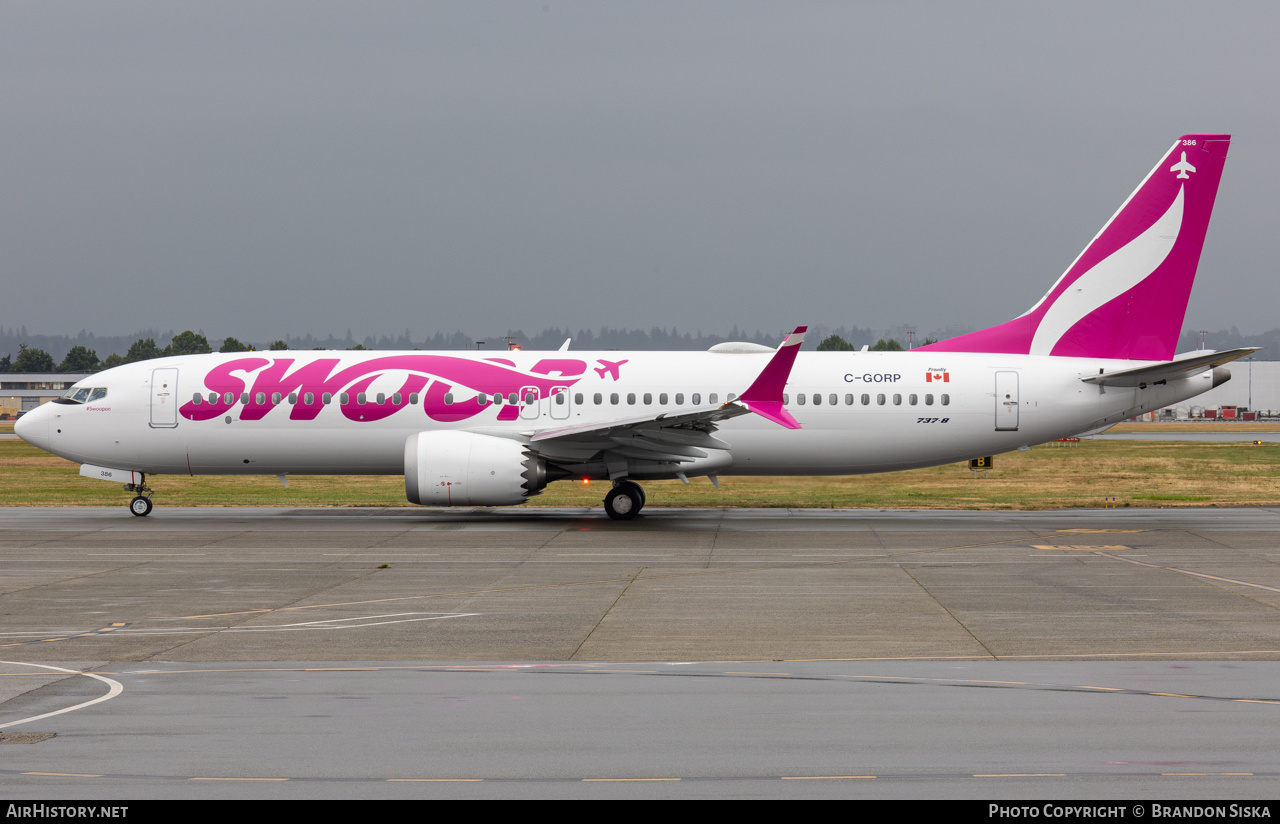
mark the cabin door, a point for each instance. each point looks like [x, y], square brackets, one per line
[164, 397]
[1006, 401]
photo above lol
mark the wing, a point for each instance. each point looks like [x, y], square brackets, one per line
[675, 438]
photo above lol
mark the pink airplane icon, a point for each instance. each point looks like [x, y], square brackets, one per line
[609, 368]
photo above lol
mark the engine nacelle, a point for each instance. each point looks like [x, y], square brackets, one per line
[466, 469]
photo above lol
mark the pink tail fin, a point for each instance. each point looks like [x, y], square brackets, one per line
[1125, 296]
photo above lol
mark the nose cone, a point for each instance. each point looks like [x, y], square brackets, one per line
[33, 427]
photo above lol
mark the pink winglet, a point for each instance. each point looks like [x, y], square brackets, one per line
[1126, 295]
[764, 396]
[772, 410]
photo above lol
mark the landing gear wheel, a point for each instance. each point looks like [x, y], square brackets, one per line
[140, 506]
[638, 488]
[624, 502]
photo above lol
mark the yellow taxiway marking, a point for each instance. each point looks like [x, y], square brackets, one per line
[65, 775]
[1106, 689]
[1020, 775]
[1182, 774]
[1081, 547]
[631, 779]
[1170, 694]
[89, 634]
[821, 777]
[436, 779]
[237, 779]
[1097, 531]
[1255, 701]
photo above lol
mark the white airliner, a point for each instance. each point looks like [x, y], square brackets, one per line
[483, 429]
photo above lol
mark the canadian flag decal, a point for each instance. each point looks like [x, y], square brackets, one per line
[940, 376]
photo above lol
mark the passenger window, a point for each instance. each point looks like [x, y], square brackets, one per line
[697, 399]
[848, 400]
[732, 397]
[497, 399]
[344, 399]
[275, 397]
[713, 398]
[786, 399]
[800, 398]
[597, 399]
[817, 399]
[613, 398]
[213, 397]
[197, 399]
[928, 400]
[244, 397]
[866, 400]
[228, 399]
[395, 399]
[382, 398]
[578, 398]
[648, 399]
[833, 400]
[448, 399]
[327, 398]
[662, 399]
[880, 400]
[293, 397]
[631, 398]
[362, 397]
[946, 400]
[560, 398]
[309, 398]
[413, 398]
[912, 399]
[679, 399]
[482, 399]
[511, 398]
[897, 400]
[530, 399]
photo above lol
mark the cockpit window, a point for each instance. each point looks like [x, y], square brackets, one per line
[83, 394]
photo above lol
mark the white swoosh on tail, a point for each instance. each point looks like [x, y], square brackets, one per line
[1116, 274]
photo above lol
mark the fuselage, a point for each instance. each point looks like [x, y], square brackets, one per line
[351, 412]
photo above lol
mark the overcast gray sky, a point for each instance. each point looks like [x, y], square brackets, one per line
[259, 169]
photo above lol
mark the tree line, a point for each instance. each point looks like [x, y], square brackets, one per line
[83, 359]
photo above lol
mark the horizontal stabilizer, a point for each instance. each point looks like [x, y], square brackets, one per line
[1172, 370]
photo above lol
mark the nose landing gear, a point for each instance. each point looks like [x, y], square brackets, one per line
[141, 504]
[624, 501]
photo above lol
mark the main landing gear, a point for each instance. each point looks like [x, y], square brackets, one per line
[624, 501]
[141, 504]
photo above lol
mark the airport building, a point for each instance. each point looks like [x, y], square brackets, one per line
[1254, 385]
[24, 391]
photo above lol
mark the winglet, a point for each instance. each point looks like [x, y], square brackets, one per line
[764, 396]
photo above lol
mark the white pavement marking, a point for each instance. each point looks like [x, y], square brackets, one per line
[115, 689]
